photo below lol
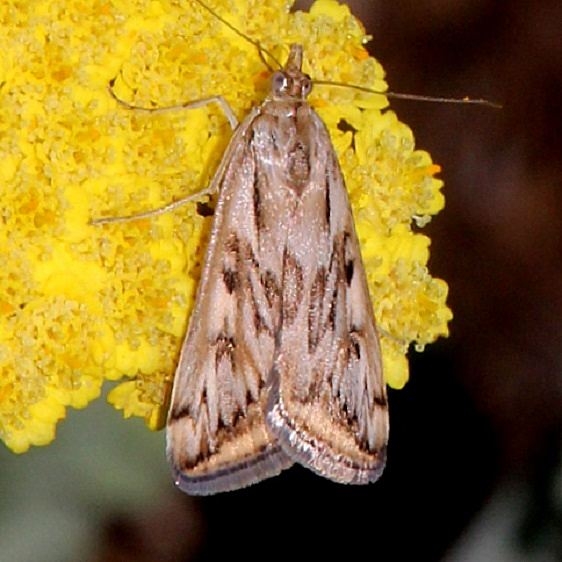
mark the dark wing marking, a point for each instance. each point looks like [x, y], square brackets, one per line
[328, 405]
[217, 439]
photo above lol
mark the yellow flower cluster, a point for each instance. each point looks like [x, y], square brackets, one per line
[81, 304]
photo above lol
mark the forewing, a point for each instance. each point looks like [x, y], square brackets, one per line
[217, 439]
[328, 405]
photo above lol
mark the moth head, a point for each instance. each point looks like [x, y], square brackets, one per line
[291, 82]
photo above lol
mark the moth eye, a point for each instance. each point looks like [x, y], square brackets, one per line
[279, 82]
[306, 86]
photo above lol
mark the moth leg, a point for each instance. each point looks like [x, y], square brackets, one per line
[213, 186]
[192, 104]
[158, 211]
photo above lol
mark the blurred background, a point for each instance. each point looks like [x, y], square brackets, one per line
[474, 471]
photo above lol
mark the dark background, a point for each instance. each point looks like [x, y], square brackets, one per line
[481, 417]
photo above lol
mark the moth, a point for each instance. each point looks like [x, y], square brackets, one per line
[281, 363]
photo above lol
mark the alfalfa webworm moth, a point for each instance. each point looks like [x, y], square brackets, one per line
[281, 362]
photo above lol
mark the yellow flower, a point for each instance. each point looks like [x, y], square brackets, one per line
[81, 304]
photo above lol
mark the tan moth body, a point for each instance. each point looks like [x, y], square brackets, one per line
[281, 362]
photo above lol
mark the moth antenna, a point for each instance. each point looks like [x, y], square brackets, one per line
[256, 44]
[413, 97]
